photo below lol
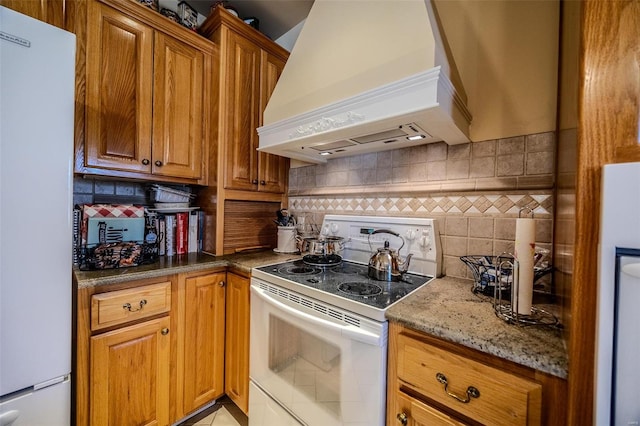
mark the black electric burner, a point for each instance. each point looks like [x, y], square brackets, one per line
[322, 260]
[343, 284]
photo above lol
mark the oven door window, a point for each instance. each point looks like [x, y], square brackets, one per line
[318, 368]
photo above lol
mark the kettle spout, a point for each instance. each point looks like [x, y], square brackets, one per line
[404, 265]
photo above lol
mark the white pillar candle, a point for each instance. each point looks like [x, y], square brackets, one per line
[525, 245]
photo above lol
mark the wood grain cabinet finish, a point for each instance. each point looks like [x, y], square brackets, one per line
[203, 350]
[49, 11]
[433, 382]
[250, 67]
[146, 100]
[237, 341]
[130, 375]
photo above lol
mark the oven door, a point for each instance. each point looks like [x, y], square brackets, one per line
[321, 364]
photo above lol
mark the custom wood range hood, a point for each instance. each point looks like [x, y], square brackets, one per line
[366, 76]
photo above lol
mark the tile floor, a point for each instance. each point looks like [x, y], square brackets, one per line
[223, 413]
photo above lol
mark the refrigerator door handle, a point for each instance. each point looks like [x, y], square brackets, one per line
[48, 383]
[7, 419]
[632, 269]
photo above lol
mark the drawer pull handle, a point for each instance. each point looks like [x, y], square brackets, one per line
[402, 418]
[127, 306]
[472, 392]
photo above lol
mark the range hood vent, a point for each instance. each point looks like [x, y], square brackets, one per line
[365, 76]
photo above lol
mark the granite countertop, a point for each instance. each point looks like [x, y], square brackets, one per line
[167, 265]
[447, 308]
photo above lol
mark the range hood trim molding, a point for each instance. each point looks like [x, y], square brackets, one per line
[429, 93]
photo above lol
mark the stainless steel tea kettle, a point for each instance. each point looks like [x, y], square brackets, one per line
[386, 264]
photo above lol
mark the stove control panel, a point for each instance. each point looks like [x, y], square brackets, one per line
[365, 234]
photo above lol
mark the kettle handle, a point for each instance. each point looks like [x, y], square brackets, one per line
[386, 231]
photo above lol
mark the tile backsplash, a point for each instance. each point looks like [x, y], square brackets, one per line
[475, 190]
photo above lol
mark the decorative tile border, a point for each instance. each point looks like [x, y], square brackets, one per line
[477, 204]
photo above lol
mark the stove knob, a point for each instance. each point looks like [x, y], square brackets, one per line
[425, 241]
[334, 228]
[410, 235]
[325, 230]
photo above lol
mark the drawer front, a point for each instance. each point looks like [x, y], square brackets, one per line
[122, 306]
[502, 398]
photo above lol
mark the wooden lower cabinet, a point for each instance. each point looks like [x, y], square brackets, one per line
[203, 353]
[130, 375]
[237, 341]
[149, 352]
[433, 382]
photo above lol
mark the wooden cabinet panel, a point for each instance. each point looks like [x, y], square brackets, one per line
[273, 169]
[203, 339]
[241, 111]
[236, 366]
[178, 108]
[130, 375]
[119, 91]
[412, 412]
[119, 307]
[49, 11]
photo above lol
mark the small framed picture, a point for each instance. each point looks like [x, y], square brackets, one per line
[188, 15]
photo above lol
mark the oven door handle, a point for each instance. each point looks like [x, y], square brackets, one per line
[350, 331]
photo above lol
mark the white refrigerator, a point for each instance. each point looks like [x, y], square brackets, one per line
[617, 386]
[37, 81]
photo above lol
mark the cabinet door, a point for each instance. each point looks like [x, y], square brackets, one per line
[130, 375]
[236, 366]
[242, 113]
[119, 91]
[177, 108]
[204, 340]
[273, 169]
[49, 11]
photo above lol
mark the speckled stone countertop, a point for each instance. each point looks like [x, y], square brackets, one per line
[447, 308]
[179, 264]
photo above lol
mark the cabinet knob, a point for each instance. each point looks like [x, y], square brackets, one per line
[145, 161]
[402, 418]
[472, 392]
[164, 331]
[255, 181]
[263, 182]
[221, 284]
[158, 163]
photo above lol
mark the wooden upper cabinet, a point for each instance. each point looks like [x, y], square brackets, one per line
[250, 67]
[49, 11]
[241, 112]
[119, 91]
[147, 109]
[178, 108]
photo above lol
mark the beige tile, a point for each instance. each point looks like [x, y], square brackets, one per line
[459, 152]
[321, 179]
[457, 169]
[400, 157]
[492, 184]
[338, 165]
[418, 154]
[510, 165]
[455, 246]
[544, 230]
[535, 182]
[418, 172]
[539, 163]
[481, 227]
[369, 161]
[384, 175]
[480, 246]
[456, 226]
[454, 267]
[400, 174]
[384, 160]
[541, 142]
[482, 167]
[355, 177]
[437, 151]
[355, 162]
[337, 178]
[505, 229]
[503, 246]
[483, 149]
[436, 170]
[513, 145]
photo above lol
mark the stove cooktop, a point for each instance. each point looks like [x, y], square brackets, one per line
[345, 285]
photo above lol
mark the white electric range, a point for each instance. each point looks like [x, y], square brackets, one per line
[319, 333]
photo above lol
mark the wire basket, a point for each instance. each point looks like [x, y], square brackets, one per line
[485, 272]
[117, 255]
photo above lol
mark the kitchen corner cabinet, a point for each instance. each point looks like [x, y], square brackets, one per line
[250, 67]
[433, 382]
[147, 108]
[149, 351]
[237, 340]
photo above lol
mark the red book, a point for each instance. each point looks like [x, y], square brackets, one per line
[182, 232]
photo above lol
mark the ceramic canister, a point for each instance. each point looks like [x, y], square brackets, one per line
[286, 239]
